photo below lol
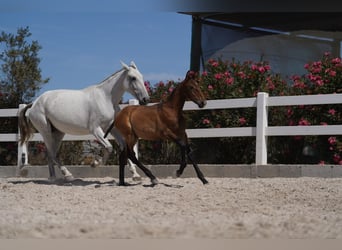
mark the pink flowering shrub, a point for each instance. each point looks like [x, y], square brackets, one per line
[232, 79]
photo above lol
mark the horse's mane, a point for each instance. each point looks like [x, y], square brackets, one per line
[111, 76]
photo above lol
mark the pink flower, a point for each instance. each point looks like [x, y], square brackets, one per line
[214, 64]
[270, 86]
[241, 74]
[229, 81]
[242, 121]
[262, 69]
[319, 82]
[206, 121]
[303, 122]
[218, 76]
[170, 89]
[332, 111]
[336, 60]
[332, 140]
[337, 158]
[321, 163]
[204, 73]
[332, 73]
[210, 87]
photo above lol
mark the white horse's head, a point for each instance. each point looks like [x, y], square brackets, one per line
[134, 83]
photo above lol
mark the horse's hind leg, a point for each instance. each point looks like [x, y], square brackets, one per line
[57, 141]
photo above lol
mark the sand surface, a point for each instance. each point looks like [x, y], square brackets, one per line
[176, 208]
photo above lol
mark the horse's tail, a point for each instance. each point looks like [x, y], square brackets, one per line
[25, 126]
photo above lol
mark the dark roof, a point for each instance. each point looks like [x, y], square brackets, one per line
[284, 21]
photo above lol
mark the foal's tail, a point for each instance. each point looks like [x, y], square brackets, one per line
[25, 126]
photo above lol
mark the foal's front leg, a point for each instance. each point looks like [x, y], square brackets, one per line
[186, 149]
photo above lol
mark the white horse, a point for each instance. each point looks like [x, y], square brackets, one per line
[80, 112]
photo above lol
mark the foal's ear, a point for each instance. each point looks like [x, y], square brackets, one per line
[191, 74]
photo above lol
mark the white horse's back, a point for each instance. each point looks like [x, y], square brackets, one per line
[73, 111]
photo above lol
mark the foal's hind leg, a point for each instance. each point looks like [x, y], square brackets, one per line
[182, 166]
[147, 172]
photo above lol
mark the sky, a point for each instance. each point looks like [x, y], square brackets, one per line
[84, 42]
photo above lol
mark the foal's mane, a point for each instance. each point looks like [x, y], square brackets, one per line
[172, 94]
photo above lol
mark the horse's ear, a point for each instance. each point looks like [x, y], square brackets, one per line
[124, 65]
[133, 65]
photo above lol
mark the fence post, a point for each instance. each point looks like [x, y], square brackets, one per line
[22, 150]
[261, 124]
[135, 148]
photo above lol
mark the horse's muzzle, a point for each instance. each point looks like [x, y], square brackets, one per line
[144, 101]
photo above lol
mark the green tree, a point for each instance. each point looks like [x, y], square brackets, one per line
[20, 80]
[20, 77]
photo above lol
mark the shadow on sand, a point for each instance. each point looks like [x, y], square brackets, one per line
[81, 182]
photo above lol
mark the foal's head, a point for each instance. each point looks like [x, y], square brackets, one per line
[192, 90]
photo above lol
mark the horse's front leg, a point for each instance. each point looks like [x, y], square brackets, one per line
[99, 135]
[132, 166]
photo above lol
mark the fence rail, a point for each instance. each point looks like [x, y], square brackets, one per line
[261, 131]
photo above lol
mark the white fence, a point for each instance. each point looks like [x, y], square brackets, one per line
[261, 131]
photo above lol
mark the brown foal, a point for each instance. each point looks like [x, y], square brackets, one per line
[162, 121]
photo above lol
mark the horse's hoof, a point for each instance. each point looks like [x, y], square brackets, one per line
[95, 164]
[136, 178]
[52, 179]
[69, 178]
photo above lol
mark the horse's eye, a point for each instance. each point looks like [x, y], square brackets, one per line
[133, 78]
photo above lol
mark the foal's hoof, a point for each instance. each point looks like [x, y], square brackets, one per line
[204, 181]
[69, 178]
[155, 182]
[178, 173]
[124, 184]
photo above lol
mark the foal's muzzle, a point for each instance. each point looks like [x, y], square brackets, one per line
[201, 104]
